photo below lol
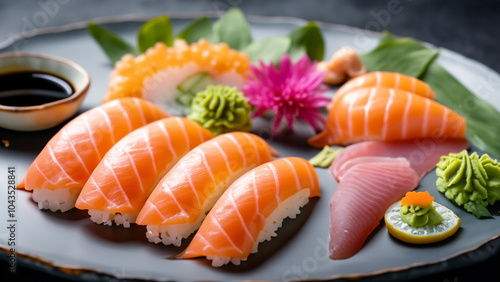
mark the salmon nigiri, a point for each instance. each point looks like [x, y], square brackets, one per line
[387, 79]
[128, 173]
[388, 114]
[59, 172]
[252, 209]
[181, 200]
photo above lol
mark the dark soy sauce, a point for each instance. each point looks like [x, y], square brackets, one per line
[21, 89]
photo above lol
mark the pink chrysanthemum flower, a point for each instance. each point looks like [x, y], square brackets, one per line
[293, 90]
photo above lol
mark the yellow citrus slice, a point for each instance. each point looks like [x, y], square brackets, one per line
[425, 234]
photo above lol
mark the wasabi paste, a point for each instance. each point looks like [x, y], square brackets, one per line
[417, 210]
[325, 157]
[221, 109]
[469, 181]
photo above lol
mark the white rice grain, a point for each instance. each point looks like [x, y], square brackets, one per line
[107, 218]
[62, 199]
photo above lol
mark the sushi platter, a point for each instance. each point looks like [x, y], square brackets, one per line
[72, 245]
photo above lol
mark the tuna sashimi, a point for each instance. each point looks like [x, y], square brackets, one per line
[59, 172]
[361, 199]
[130, 170]
[252, 209]
[373, 175]
[388, 114]
[189, 190]
[423, 154]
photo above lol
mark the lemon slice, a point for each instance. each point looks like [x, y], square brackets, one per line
[425, 234]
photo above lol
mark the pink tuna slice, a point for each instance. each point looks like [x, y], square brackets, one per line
[372, 176]
[423, 154]
[361, 199]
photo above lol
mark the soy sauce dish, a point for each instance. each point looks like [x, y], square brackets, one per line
[39, 91]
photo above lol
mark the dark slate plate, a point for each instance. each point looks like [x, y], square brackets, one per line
[70, 243]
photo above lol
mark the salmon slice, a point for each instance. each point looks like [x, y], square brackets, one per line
[252, 209]
[131, 169]
[188, 191]
[380, 113]
[59, 172]
[423, 154]
[387, 79]
[358, 204]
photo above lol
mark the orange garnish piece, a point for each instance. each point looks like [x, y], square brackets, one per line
[417, 198]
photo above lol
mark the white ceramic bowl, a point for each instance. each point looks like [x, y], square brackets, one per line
[31, 118]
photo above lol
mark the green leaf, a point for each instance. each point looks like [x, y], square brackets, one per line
[111, 44]
[386, 37]
[268, 49]
[197, 29]
[233, 29]
[156, 30]
[477, 209]
[407, 57]
[307, 40]
[481, 131]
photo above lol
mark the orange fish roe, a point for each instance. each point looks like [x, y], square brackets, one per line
[127, 79]
[417, 198]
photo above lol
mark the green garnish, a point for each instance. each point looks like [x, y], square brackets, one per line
[405, 55]
[325, 157]
[221, 109]
[307, 40]
[408, 56]
[268, 49]
[469, 181]
[197, 29]
[153, 31]
[232, 28]
[114, 47]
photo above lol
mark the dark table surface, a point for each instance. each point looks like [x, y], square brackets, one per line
[471, 28]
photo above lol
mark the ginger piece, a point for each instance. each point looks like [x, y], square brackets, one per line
[343, 65]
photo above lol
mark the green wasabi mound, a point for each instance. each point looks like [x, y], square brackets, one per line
[418, 216]
[469, 181]
[221, 109]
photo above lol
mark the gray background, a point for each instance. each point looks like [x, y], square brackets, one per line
[470, 28]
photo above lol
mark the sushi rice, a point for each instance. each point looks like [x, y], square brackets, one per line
[107, 218]
[62, 199]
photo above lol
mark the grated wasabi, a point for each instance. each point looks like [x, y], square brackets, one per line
[221, 109]
[469, 181]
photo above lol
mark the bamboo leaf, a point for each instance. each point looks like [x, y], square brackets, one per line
[481, 131]
[405, 55]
